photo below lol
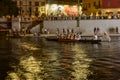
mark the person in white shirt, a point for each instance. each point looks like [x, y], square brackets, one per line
[106, 36]
[95, 37]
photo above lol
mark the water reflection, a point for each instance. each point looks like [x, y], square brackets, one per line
[29, 68]
[35, 59]
[62, 62]
[81, 64]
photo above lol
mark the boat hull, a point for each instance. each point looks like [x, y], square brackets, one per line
[69, 40]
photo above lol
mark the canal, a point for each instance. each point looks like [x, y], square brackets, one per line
[38, 59]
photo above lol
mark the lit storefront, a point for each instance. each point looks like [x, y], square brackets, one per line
[56, 9]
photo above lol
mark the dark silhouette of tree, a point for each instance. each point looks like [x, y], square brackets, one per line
[8, 7]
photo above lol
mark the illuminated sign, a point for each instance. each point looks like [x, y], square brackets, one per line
[71, 10]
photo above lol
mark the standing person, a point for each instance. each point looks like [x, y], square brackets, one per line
[106, 36]
[95, 29]
[58, 32]
[79, 36]
[98, 31]
[95, 37]
[72, 30]
[117, 30]
[16, 27]
[64, 31]
[67, 31]
[45, 31]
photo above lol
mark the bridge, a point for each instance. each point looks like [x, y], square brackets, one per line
[6, 27]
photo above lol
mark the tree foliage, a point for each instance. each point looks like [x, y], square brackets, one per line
[8, 7]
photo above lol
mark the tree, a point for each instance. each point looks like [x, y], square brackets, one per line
[8, 7]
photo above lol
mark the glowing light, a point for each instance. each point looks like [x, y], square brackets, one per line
[31, 65]
[13, 76]
[27, 46]
[60, 7]
[54, 7]
[28, 69]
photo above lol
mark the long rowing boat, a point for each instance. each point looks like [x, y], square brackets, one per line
[72, 40]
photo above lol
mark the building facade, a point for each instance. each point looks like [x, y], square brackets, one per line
[70, 2]
[91, 6]
[101, 6]
[30, 7]
[111, 6]
[65, 7]
[48, 7]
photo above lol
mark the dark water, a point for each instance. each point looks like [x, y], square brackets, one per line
[38, 59]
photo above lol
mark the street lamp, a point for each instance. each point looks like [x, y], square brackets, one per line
[78, 24]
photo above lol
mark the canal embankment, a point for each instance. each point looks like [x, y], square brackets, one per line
[85, 26]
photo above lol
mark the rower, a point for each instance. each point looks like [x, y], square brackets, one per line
[79, 36]
[106, 36]
[95, 37]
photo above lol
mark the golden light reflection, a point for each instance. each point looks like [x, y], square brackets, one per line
[28, 69]
[81, 64]
[31, 65]
[27, 46]
[12, 76]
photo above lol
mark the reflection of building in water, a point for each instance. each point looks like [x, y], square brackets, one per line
[29, 69]
[81, 64]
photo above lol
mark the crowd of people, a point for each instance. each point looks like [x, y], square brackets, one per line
[62, 16]
[70, 36]
[83, 16]
[69, 33]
